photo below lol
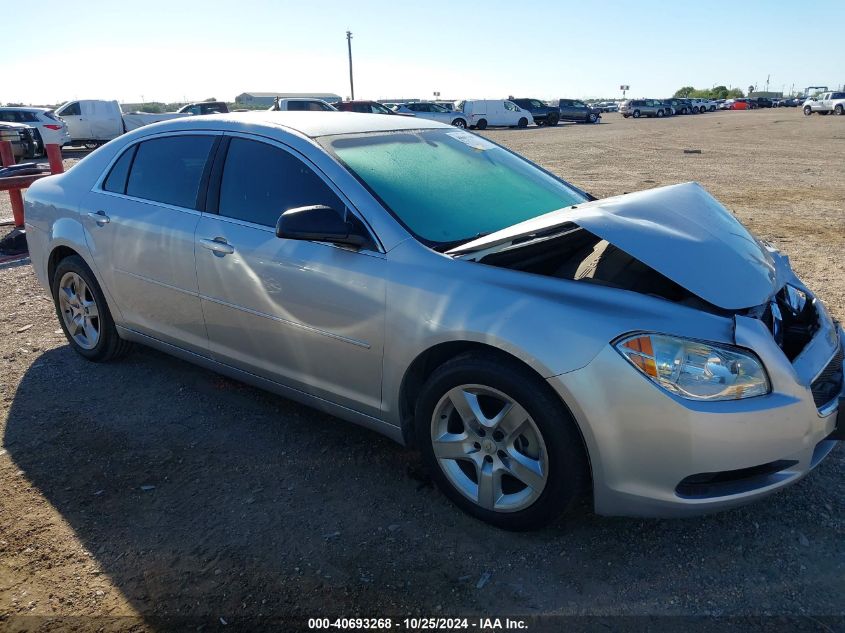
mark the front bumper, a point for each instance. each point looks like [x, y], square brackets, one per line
[654, 454]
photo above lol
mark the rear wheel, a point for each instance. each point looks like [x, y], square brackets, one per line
[91, 145]
[482, 124]
[83, 312]
[660, 114]
[499, 442]
[552, 119]
[838, 109]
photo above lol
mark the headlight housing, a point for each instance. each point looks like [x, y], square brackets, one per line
[694, 369]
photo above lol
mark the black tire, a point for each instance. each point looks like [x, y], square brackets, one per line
[552, 120]
[459, 122]
[712, 108]
[523, 123]
[109, 346]
[660, 114]
[838, 109]
[482, 124]
[568, 472]
[807, 110]
[592, 117]
[636, 114]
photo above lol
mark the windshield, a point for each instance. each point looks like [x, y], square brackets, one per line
[448, 187]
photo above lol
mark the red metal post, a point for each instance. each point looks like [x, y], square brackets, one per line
[54, 155]
[7, 158]
[15, 196]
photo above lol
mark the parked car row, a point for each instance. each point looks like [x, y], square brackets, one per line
[659, 108]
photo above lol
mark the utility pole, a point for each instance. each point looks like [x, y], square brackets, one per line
[349, 44]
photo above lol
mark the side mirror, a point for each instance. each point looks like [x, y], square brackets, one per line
[320, 223]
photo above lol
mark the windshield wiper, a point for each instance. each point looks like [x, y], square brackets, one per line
[442, 247]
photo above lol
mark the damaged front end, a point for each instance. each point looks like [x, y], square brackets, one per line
[679, 244]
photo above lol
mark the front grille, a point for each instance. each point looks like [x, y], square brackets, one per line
[828, 384]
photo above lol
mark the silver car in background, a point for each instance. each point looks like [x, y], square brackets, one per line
[533, 342]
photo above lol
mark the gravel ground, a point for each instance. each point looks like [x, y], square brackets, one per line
[151, 488]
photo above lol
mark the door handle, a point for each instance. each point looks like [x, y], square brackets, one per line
[99, 217]
[218, 245]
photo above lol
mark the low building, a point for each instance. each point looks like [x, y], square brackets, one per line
[266, 98]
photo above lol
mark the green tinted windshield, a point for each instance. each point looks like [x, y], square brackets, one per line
[449, 186]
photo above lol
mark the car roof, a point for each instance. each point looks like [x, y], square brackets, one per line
[311, 124]
[25, 108]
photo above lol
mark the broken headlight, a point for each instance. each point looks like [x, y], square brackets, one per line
[696, 370]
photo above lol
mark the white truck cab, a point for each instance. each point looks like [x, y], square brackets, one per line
[92, 122]
[481, 113]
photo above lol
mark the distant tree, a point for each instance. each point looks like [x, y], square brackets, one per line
[684, 92]
[734, 93]
[210, 99]
[719, 92]
[152, 108]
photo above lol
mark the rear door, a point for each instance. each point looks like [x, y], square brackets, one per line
[309, 315]
[140, 221]
[105, 119]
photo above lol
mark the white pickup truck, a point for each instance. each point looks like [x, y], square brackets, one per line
[92, 122]
[825, 103]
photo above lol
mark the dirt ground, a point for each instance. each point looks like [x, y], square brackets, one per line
[153, 489]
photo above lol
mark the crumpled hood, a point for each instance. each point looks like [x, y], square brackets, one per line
[681, 231]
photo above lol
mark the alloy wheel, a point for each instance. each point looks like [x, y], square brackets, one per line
[489, 448]
[79, 310]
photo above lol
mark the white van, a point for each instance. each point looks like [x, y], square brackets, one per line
[481, 113]
[91, 122]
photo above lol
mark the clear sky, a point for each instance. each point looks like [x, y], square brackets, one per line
[194, 49]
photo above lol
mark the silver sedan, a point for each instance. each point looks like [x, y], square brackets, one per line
[535, 344]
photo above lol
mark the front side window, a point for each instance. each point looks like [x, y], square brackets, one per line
[579, 104]
[260, 182]
[509, 106]
[449, 186]
[71, 109]
[170, 169]
[377, 108]
[537, 104]
[8, 116]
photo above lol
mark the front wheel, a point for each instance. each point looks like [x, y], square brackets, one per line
[807, 110]
[83, 312]
[660, 114]
[523, 123]
[552, 120]
[499, 443]
[592, 117]
[460, 123]
[636, 114]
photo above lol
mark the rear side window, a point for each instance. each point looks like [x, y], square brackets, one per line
[116, 180]
[261, 181]
[169, 169]
[297, 105]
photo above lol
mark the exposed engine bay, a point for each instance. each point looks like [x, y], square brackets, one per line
[577, 254]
